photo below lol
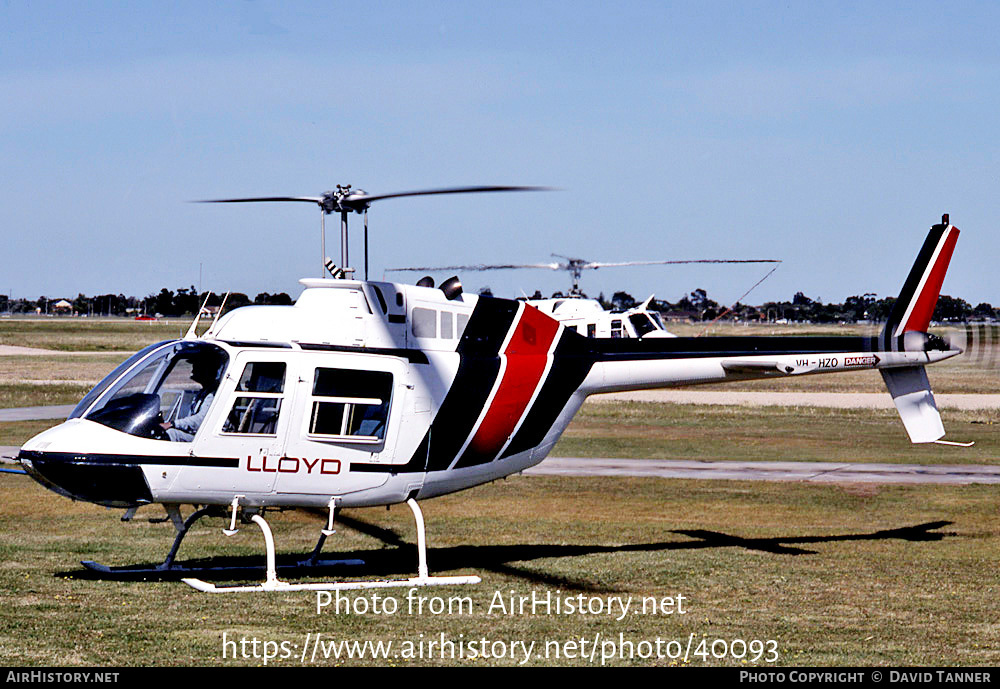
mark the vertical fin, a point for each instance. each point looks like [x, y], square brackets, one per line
[912, 312]
[915, 305]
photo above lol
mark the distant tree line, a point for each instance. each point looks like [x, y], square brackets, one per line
[695, 306]
[182, 302]
[698, 306]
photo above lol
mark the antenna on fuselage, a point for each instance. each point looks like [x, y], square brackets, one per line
[217, 314]
[190, 334]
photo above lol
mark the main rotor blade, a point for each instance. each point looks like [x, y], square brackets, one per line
[663, 263]
[308, 199]
[368, 198]
[579, 264]
[480, 266]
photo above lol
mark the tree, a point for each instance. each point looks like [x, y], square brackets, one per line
[622, 301]
[857, 306]
[161, 303]
[984, 310]
[236, 300]
[81, 304]
[279, 299]
[951, 309]
[187, 301]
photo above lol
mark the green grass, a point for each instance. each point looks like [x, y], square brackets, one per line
[89, 334]
[78, 368]
[19, 432]
[28, 395]
[645, 430]
[836, 575]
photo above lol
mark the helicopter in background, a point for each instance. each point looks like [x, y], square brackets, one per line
[589, 318]
[586, 315]
[367, 393]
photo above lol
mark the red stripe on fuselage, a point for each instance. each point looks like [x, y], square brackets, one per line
[920, 317]
[527, 357]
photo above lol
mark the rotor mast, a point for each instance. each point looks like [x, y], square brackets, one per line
[344, 200]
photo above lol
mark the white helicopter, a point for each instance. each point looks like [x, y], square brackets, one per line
[375, 393]
[585, 315]
[589, 318]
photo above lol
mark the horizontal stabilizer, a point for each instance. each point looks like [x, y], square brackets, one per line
[911, 393]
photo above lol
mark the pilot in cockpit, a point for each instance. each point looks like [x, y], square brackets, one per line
[205, 371]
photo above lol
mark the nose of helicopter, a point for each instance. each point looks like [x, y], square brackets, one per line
[111, 480]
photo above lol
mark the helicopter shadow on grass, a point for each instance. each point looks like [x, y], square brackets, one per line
[399, 559]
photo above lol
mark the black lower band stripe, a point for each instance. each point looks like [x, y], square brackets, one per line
[132, 460]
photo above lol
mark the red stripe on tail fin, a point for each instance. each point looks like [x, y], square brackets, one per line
[917, 316]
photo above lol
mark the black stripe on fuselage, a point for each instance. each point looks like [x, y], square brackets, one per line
[414, 356]
[264, 345]
[478, 368]
[571, 362]
[707, 347]
[164, 460]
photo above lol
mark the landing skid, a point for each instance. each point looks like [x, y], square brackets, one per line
[134, 570]
[272, 583]
[168, 566]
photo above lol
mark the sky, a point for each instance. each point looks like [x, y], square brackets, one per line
[827, 135]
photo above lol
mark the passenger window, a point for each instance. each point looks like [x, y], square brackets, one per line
[463, 320]
[616, 328]
[257, 412]
[351, 404]
[591, 330]
[424, 322]
[447, 324]
[263, 376]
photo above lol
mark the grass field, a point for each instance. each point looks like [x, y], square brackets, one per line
[834, 575]
[88, 334]
[645, 430]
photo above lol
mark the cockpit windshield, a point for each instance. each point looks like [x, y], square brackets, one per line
[642, 323]
[165, 395]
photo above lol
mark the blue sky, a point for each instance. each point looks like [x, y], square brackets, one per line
[828, 135]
